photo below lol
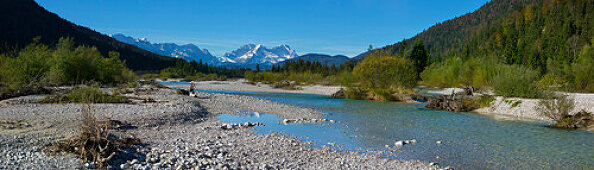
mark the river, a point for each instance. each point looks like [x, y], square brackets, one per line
[468, 141]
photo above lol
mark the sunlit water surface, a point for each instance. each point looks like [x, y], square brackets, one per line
[468, 140]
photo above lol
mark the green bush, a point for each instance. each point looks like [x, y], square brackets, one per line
[515, 81]
[356, 93]
[383, 95]
[456, 72]
[28, 68]
[385, 72]
[37, 65]
[583, 70]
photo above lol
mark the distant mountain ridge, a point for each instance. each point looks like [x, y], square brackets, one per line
[188, 52]
[246, 56]
[259, 54]
[23, 20]
[322, 58]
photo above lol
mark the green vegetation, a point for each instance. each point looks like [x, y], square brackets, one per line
[38, 65]
[385, 72]
[199, 71]
[513, 103]
[383, 78]
[482, 73]
[484, 101]
[456, 72]
[547, 41]
[515, 81]
[24, 20]
[419, 56]
[301, 71]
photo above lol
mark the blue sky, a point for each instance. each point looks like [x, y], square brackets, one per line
[333, 27]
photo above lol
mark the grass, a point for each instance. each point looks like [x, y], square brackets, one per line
[484, 100]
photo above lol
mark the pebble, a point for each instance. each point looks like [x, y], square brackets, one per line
[399, 143]
[205, 144]
[124, 166]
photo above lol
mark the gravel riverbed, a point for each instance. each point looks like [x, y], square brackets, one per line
[180, 132]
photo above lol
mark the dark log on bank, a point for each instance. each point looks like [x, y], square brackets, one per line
[461, 102]
[340, 94]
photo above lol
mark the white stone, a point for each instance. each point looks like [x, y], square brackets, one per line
[124, 166]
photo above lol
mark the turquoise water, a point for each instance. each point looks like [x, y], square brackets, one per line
[470, 141]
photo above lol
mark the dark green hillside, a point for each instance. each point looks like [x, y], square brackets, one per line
[23, 20]
[551, 39]
[525, 32]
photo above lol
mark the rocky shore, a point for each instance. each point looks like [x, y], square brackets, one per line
[179, 132]
[244, 85]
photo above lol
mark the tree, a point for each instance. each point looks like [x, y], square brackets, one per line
[370, 47]
[402, 51]
[419, 56]
[257, 67]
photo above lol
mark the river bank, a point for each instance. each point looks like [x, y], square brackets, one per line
[244, 85]
[180, 132]
[518, 108]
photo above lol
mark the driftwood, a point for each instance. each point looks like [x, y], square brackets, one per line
[461, 102]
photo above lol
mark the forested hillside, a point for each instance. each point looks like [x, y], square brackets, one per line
[551, 37]
[23, 20]
[528, 32]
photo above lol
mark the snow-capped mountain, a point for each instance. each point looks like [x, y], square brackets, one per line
[189, 52]
[258, 54]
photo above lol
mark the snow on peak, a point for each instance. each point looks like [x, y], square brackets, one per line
[189, 52]
[258, 54]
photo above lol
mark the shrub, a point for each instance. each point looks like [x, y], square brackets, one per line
[583, 70]
[551, 80]
[385, 72]
[383, 95]
[356, 93]
[37, 65]
[95, 141]
[28, 68]
[456, 72]
[515, 81]
[555, 107]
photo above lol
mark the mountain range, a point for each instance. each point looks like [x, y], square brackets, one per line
[259, 54]
[246, 56]
[188, 52]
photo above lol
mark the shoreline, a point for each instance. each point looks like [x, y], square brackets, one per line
[501, 107]
[526, 108]
[180, 132]
[242, 85]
